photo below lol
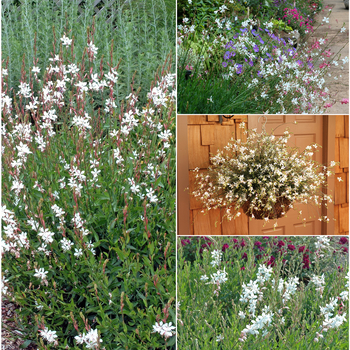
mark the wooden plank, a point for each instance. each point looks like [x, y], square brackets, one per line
[228, 227]
[212, 118]
[198, 155]
[339, 126]
[346, 123]
[242, 224]
[228, 121]
[344, 218]
[347, 187]
[207, 135]
[340, 189]
[208, 223]
[279, 231]
[191, 223]
[336, 217]
[344, 152]
[194, 203]
[223, 134]
[305, 229]
[337, 168]
[197, 119]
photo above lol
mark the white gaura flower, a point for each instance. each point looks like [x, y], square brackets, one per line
[46, 235]
[49, 336]
[241, 315]
[40, 273]
[164, 329]
[219, 338]
[66, 41]
[78, 252]
[23, 149]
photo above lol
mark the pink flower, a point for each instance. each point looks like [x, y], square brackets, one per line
[344, 101]
[328, 105]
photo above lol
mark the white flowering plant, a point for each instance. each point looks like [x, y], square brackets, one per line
[260, 305]
[244, 65]
[263, 176]
[88, 204]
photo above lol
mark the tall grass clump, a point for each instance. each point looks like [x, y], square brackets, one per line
[141, 33]
[263, 293]
[88, 202]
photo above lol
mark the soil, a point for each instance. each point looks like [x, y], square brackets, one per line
[11, 337]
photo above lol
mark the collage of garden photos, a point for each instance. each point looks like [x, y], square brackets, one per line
[175, 174]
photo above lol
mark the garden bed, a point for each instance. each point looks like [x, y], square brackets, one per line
[227, 65]
[263, 292]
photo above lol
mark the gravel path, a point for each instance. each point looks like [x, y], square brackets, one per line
[339, 16]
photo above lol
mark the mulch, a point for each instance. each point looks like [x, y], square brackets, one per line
[11, 337]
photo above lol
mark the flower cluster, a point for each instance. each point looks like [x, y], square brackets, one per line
[91, 339]
[80, 177]
[275, 71]
[164, 329]
[262, 175]
[295, 19]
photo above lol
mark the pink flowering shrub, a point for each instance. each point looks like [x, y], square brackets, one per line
[295, 19]
[88, 193]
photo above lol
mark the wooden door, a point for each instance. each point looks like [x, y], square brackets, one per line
[307, 131]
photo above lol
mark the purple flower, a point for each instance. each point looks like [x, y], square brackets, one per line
[280, 244]
[239, 69]
[256, 48]
[227, 55]
[224, 64]
[301, 248]
[251, 63]
[343, 240]
[185, 242]
[224, 247]
[254, 32]
[261, 40]
[271, 261]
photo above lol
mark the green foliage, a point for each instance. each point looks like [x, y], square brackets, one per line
[112, 173]
[206, 312]
[142, 32]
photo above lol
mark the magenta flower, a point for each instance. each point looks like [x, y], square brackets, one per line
[343, 240]
[291, 247]
[344, 101]
[224, 247]
[280, 244]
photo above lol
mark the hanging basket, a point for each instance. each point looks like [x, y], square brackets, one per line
[281, 206]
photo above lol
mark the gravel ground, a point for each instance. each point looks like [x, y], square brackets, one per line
[338, 17]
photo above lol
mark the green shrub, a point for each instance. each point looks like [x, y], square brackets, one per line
[88, 205]
[224, 305]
